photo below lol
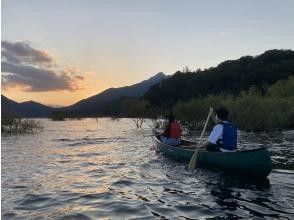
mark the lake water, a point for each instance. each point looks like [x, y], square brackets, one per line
[108, 170]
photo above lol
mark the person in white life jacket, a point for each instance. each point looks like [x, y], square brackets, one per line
[172, 133]
[224, 134]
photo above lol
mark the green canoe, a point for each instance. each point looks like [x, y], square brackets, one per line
[256, 162]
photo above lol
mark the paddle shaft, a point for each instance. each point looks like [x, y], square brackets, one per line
[192, 163]
[150, 135]
[204, 129]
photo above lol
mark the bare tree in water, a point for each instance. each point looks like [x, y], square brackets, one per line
[137, 109]
[11, 124]
[138, 122]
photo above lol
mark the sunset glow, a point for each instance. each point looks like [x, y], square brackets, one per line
[61, 51]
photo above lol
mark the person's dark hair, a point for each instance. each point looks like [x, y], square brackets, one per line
[222, 113]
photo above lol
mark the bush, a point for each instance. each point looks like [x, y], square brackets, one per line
[58, 116]
[251, 110]
[260, 113]
[11, 124]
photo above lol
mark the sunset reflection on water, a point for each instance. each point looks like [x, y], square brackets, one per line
[89, 170]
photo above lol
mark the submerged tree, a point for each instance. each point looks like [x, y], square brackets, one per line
[12, 124]
[138, 110]
[58, 116]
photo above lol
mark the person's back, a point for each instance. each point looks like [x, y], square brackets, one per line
[175, 130]
[229, 138]
[224, 135]
[172, 133]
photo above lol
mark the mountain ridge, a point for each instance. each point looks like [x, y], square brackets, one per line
[24, 109]
[96, 103]
[88, 106]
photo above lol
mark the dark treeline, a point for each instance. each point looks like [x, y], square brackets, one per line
[230, 77]
[122, 107]
[259, 92]
[251, 110]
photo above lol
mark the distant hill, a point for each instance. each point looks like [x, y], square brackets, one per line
[96, 104]
[24, 109]
[229, 77]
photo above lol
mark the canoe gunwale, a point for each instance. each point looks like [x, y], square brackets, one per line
[253, 162]
[203, 150]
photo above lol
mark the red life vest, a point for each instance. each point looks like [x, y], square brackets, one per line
[175, 130]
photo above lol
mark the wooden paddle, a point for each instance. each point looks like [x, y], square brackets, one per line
[150, 135]
[192, 163]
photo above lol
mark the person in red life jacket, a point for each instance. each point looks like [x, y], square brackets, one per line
[172, 133]
[224, 134]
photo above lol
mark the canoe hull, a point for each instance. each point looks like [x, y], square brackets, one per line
[256, 162]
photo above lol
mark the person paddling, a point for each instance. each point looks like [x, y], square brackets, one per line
[172, 133]
[224, 134]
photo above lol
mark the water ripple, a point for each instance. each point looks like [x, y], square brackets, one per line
[85, 170]
[34, 202]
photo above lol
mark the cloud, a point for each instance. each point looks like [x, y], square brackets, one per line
[30, 69]
[22, 52]
[37, 80]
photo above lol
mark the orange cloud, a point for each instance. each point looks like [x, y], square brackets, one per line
[29, 70]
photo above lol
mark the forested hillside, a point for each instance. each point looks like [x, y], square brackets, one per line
[229, 77]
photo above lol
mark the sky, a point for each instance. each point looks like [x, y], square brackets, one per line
[58, 52]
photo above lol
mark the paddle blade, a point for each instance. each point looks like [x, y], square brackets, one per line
[192, 163]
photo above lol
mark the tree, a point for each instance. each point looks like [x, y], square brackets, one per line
[58, 116]
[138, 110]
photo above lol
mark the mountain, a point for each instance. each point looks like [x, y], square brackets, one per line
[95, 105]
[229, 77]
[8, 105]
[24, 109]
